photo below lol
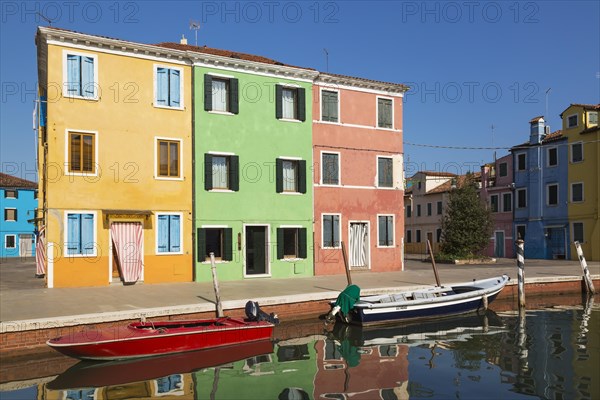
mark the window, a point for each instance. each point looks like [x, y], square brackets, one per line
[408, 211]
[168, 152]
[11, 194]
[82, 152]
[572, 121]
[494, 203]
[329, 106]
[168, 87]
[10, 241]
[384, 113]
[429, 209]
[385, 231]
[80, 234]
[419, 185]
[216, 240]
[521, 232]
[169, 232]
[438, 235]
[290, 176]
[552, 157]
[290, 103]
[503, 170]
[385, 172]
[578, 232]
[439, 208]
[330, 168]
[221, 94]
[577, 192]
[593, 118]
[331, 231]
[418, 210]
[521, 162]
[552, 194]
[521, 198]
[221, 172]
[576, 152]
[409, 236]
[10, 214]
[80, 75]
[291, 243]
[418, 236]
[506, 202]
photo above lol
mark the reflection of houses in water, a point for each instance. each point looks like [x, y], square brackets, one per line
[381, 372]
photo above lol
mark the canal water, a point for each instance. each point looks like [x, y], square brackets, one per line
[550, 352]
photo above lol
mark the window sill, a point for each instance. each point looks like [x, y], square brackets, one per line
[166, 178]
[84, 174]
[180, 253]
[216, 262]
[216, 112]
[292, 193]
[290, 120]
[331, 248]
[256, 276]
[385, 129]
[291, 259]
[577, 162]
[386, 188]
[330, 185]
[330, 122]
[386, 247]
[91, 98]
[169, 108]
[81, 255]
[221, 191]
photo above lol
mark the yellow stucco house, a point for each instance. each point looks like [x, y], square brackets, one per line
[115, 135]
[580, 125]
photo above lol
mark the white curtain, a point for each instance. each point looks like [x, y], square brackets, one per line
[359, 245]
[127, 240]
[219, 95]
[219, 171]
[288, 104]
[289, 176]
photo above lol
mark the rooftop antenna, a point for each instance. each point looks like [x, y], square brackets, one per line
[195, 26]
[326, 60]
[48, 20]
[547, 92]
[493, 142]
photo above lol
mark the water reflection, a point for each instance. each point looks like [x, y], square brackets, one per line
[551, 353]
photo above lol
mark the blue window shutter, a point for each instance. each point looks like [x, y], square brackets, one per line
[73, 75]
[73, 234]
[87, 233]
[175, 239]
[87, 77]
[162, 86]
[174, 88]
[163, 233]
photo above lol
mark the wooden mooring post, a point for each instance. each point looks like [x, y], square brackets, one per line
[213, 269]
[521, 271]
[435, 272]
[348, 276]
[589, 284]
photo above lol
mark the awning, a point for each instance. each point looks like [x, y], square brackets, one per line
[127, 212]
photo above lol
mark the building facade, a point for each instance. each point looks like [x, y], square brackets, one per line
[115, 160]
[357, 174]
[18, 202]
[580, 126]
[497, 192]
[541, 193]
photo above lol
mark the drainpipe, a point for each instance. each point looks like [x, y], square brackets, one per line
[193, 94]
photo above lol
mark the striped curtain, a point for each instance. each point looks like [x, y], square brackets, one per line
[40, 252]
[127, 241]
[358, 245]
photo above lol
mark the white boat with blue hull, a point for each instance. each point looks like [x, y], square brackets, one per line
[433, 302]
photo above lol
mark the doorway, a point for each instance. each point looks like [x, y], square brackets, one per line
[499, 244]
[127, 251]
[257, 250]
[358, 252]
[26, 245]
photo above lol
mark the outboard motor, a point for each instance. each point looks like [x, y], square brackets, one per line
[254, 313]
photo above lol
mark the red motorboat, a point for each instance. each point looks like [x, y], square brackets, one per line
[145, 339]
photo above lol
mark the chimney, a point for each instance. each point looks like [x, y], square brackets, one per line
[183, 40]
[537, 130]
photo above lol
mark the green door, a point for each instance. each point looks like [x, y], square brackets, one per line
[256, 250]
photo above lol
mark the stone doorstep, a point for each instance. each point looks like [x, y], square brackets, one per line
[86, 319]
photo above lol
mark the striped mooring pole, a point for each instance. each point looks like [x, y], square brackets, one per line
[521, 271]
[589, 284]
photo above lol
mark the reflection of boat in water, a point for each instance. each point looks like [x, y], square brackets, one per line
[86, 374]
[457, 328]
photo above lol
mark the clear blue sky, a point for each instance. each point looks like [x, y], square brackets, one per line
[471, 64]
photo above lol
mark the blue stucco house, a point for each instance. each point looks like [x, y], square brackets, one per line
[541, 193]
[18, 202]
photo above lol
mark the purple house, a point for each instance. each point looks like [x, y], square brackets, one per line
[497, 191]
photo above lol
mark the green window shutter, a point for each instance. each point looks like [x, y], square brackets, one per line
[301, 104]
[278, 101]
[302, 176]
[227, 244]
[279, 175]
[279, 243]
[207, 92]
[302, 243]
[201, 242]
[234, 107]
[208, 183]
[234, 173]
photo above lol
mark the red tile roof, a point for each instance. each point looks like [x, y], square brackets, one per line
[584, 106]
[436, 173]
[9, 181]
